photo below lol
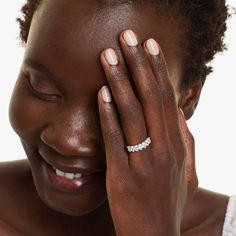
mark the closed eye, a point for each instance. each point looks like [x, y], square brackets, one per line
[43, 89]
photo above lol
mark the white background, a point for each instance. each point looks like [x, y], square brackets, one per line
[213, 125]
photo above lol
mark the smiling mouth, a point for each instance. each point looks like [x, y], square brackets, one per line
[74, 178]
[74, 182]
[73, 175]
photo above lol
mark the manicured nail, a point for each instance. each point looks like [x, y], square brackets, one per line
[152, 47]
[130, 38]
[106, 95]
[111, 57]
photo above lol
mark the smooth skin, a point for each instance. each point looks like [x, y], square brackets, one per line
[59, 113]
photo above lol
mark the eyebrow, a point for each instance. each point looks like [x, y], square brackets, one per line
[34, 64]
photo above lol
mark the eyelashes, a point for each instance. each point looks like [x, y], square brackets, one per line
[41, 95]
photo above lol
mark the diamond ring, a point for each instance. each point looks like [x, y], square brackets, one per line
[140, 146]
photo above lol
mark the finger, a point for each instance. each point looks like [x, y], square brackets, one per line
[129, 108]
[191, 174]
[159, 68]
[116, 155]
[148, 91]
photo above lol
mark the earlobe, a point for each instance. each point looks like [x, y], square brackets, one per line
[189, 98]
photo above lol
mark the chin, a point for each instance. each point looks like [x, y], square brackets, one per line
[71, 204]
[74, 211]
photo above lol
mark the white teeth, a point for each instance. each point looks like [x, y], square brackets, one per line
[60, 173]
[77, 176]
[67, 175]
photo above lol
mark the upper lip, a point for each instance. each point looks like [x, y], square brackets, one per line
[75, 166]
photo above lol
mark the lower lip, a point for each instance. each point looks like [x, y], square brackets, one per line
[74, 185]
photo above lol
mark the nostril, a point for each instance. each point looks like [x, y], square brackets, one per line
[70, 144]
[45, 135]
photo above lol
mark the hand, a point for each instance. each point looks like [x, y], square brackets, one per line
[147, 190]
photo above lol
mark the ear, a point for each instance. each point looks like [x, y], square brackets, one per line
[189, 98]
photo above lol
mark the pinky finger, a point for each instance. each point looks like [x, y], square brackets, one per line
[188, 138]
[116, 155]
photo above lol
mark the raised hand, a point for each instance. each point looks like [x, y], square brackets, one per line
[147, 189]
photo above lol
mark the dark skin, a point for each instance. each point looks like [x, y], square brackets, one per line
[72, 125]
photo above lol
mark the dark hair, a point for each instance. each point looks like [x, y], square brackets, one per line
[205, 31]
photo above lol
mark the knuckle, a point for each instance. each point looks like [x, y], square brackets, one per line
[154, 93]
[166, 156]
[114, 137]
[131, 107]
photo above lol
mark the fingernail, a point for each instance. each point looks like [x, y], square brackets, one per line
[152, 47]
[106, 95]
[130, 38]
[111, 57]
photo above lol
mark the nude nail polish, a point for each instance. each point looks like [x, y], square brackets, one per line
[111, 57]
[106, 95]
[130, 38]
[152, 47]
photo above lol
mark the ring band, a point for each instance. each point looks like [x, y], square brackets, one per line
[139, 146]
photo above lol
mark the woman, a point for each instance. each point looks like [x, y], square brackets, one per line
[100, 106]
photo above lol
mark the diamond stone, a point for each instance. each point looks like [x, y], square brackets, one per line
[139, 147]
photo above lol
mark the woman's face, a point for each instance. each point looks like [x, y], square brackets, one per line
[54, 105]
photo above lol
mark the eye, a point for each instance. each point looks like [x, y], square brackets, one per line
[43, 89]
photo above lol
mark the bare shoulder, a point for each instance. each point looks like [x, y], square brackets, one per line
[21, 210]
[15, 186]
[18, 166]
[206, 214]
[13, 176]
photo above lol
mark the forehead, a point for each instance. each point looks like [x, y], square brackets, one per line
[68, 35]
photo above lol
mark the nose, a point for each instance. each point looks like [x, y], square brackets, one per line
[72, 134]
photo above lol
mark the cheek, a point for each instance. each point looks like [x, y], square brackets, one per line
[26, 113]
